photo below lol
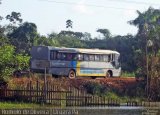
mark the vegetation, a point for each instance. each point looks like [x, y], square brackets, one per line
[16, 105]
[138, 53]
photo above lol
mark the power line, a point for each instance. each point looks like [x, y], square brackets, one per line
[135, 2]
[102, 6]
[92, 5]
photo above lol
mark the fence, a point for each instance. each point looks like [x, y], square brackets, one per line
[55, 95]
[58, 96]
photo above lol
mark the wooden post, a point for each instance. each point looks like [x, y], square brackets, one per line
[37, 92]
[30, 88]
[45, 89]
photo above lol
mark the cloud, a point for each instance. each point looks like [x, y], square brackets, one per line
[82, 8]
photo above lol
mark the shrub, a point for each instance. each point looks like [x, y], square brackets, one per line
[10, 62]
[93, 88]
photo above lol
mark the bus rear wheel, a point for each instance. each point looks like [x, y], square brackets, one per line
[72, 74]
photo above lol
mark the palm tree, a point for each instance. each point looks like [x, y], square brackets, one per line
[148, 30]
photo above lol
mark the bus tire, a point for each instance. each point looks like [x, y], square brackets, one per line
[55, 76]
[93, 77]
[108, 74]
[72, 74]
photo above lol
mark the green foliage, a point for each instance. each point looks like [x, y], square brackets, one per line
[93, 88]
[148, 30]
[23, 37]
[127, 74]
[96, 88]
[7, 57]
[13, 105]
[68, 41]
[112, 95]
[9, 61]
[106, 33]
[14, 17]
[22, 61]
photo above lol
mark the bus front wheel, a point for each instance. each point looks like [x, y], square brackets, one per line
[72, 74]
[108, 74]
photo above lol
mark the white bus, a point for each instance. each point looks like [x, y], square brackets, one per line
[75, 62]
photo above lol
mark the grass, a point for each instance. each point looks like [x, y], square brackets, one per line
[11, 105]
[126, 74]
[113, 95]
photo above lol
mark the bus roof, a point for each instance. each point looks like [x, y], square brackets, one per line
[81, 50]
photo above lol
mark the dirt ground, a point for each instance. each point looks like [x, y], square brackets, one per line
[118, 83]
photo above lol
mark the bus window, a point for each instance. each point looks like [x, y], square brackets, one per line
[109, 58]
[69, 56]
[113, 57]
[58, 56]
[86, 57]
[52, 55]
[63, 56]
[97, 57]
[106, 58]
[101, 58]
[80, 57]
[91, 57]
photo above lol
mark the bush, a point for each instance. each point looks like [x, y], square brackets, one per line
[96, 88]
[10, 62]
[93, 88]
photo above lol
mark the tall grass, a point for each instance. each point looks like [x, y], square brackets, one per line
[11, 105]
[127, 74]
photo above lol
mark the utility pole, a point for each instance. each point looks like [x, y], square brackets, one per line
[146, 48]
[146, 52]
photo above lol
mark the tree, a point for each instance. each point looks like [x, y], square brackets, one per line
[23, 37]
[14, 17]
[87, 36]
[69, 24]
[148, 32]
[9, 61]
[52, 35]
[7, 57]
[106, 33]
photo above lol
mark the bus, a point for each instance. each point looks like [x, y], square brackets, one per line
[75, 62]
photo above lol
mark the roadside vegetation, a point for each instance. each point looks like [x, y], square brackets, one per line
[17, 38]
[18, 105]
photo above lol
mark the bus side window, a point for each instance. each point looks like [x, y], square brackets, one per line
[63, 56]
[74, 56]
[91, 57]
[109, 58]
[97, 57]
[101, 58]
[113, 57]
[86, 57]
[58, 56]
[52, 55]
[80, 57]
[106, 58]
[69, 56]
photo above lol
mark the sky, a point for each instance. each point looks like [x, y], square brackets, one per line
[87, 15]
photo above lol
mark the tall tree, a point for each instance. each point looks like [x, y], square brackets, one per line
[105, 32]
[148, 27]
[14, 17]
[23, 37]
[69, 24]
